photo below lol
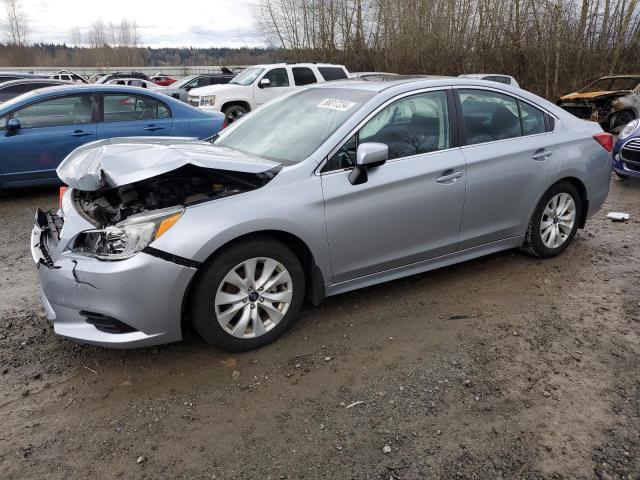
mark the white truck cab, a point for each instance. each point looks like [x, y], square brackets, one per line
[259, 84]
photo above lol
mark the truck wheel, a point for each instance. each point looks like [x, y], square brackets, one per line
[233, 113]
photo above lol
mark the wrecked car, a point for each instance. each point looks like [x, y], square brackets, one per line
[331, 188]
[612, 101]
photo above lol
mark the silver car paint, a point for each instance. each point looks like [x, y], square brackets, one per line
[400, 222]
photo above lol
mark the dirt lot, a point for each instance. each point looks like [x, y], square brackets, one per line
[504, 367]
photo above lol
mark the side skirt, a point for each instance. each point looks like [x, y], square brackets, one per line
[425, 266]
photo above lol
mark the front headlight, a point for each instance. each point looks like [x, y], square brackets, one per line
[628, 130]
[207, 100]
[128, 237]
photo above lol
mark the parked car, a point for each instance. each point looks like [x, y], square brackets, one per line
[612, 101]
[373, 76]
[8, 76]
[111, 76]
[69, 76]
[15, 88]
[39, 129]
[181, 88]
[133, 82]
[626, 152]
[335, 187]
[257, 85]
[162, 79]
[493, 77]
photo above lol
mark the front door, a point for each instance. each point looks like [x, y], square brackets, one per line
[279, 83]
[49, 131]
[410, 208]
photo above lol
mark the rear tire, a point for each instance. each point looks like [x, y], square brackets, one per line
[248, 295]
[555, 221]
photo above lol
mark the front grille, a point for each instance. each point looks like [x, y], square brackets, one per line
[630, 152]
[580, 111]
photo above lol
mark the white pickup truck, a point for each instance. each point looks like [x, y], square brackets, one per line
[259, 84]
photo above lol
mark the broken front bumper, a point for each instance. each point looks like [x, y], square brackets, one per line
[121, 304]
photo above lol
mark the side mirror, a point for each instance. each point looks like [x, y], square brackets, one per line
[264, 83]
[368, 155]
[13, 125]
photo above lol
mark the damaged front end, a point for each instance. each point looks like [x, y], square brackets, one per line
[102, 282]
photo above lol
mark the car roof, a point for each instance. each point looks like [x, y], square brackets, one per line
[22, 81]
[298, 64]
[390, 82]
[480, 75]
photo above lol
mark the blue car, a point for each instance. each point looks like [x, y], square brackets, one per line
[626, 151]
[39, 129]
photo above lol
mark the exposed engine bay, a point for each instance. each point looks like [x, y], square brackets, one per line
[188, 185]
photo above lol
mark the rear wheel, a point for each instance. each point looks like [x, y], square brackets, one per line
[555, 221]
[233, 113]
[248, 295]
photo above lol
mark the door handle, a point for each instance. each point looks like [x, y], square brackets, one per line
[153, 128]
[449, 177]
[80, 133]
[541, 154]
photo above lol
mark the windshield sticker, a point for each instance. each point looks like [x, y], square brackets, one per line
[333, 104]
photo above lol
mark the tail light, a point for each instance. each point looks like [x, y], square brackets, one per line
[604, 139]
[60, 195]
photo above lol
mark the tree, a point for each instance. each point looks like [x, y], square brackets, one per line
[15, 23]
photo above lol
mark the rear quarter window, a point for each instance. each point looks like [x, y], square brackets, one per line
[332, 73]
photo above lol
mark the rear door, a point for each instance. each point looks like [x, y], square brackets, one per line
[512, 154]
[133, 115]
[50, 130]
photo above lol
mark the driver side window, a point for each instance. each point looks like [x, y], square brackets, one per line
[126, 107]
[410, 126]
[278, 78]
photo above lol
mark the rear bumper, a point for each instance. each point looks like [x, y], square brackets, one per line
[144, 293]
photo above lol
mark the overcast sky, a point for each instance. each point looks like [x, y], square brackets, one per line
[161, 23]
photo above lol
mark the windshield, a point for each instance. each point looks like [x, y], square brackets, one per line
[292, 128]
[183, 81]
[248, 76]
[612, 84]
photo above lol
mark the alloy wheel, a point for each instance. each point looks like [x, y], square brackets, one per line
[253, 297]
[558, 220]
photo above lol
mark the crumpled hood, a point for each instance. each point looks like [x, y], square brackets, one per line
[591, 95]
[122, 161]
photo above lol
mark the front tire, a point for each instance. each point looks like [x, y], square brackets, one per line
[555, 221]
[248, 295]
[233, 113]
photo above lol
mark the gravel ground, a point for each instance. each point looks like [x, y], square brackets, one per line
[503, 367]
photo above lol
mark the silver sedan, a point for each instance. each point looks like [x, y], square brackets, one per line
[326, 190]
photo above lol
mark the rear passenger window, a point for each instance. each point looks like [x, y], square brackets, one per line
[410, 126]
[126, 107]
[489, 116]
[303, 76]
[532, 119]
[332, 73]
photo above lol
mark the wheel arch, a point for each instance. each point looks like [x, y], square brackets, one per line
[582, 190]
[241, 103]
[314, 279]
